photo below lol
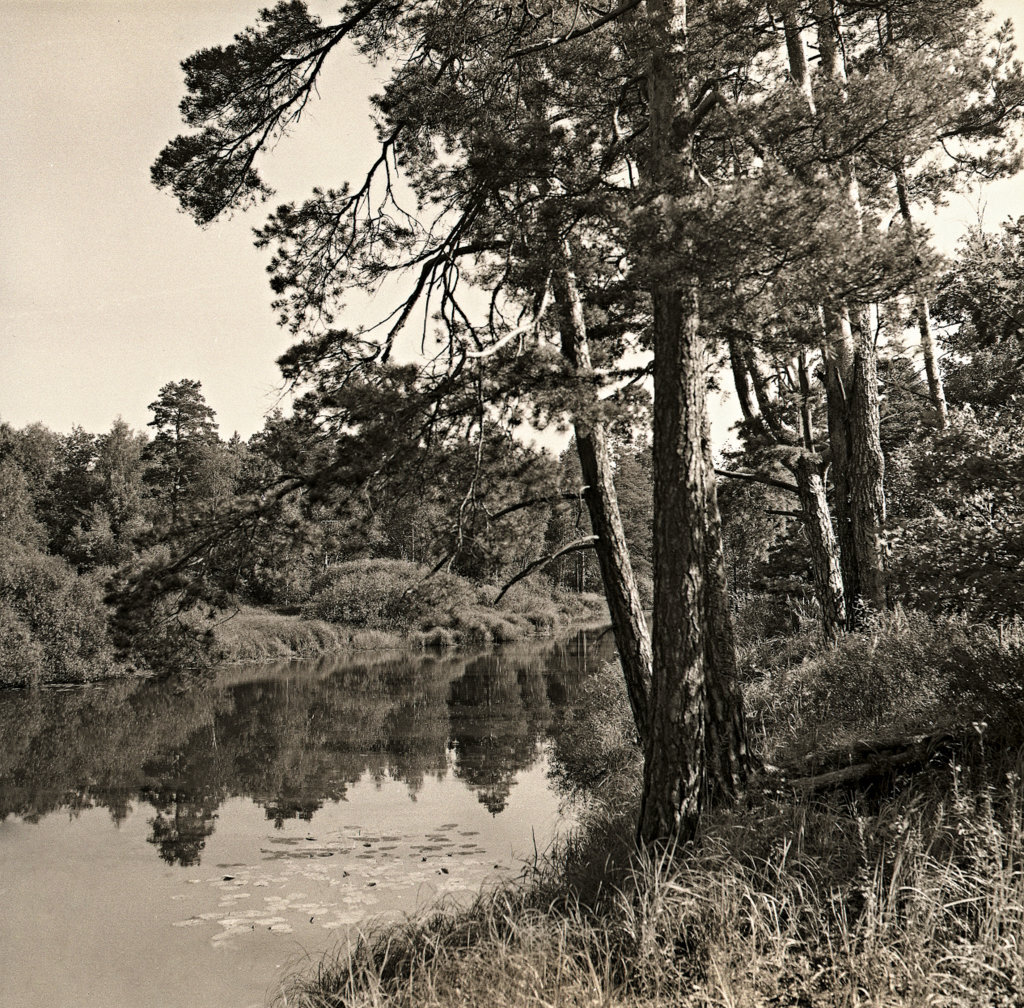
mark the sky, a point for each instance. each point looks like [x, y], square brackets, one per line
[108, 291]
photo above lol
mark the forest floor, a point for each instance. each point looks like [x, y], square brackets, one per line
[903, 890]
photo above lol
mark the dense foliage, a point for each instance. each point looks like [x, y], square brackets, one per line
[125, 551]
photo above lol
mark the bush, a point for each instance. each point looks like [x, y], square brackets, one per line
[905, 672]
[54, 626]
[366, 593]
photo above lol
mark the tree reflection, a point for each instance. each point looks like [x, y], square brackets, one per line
[181, 826]
[290, 739]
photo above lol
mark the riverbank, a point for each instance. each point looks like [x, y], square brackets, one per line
[256, 635]
[908, 892]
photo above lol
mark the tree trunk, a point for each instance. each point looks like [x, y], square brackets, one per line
[825, 567]
[675, 768]
[936, 391]
[725, 727]
[696, 739]
[628, 623]
[867, 474]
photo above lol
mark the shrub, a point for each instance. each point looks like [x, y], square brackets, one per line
[54, 624]
[366, 593]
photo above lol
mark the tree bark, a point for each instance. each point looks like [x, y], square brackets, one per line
[675, 768]
[624, 604]
[696, 739]
[867, 474]
[825, 567]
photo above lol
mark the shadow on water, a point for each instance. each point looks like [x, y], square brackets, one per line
[290, 738]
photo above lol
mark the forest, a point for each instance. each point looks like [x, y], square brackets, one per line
[804, 775]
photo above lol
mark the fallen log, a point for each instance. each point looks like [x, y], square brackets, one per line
[864, 761]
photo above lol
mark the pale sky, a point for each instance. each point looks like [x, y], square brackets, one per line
[107, 291]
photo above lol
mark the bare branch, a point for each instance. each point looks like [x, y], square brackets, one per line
[545, 301]
[534, 501]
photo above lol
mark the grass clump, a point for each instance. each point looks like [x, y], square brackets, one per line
[260, 635]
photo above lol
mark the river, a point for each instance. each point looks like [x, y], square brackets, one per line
[188, 843]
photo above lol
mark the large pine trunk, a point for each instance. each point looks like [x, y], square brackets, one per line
[696, 738]
[620, 589]
[675, 768]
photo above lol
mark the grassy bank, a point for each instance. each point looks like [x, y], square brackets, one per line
[910, 894]
[915, 901]
[256, 635]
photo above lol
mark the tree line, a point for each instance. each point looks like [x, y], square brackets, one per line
[111, 539]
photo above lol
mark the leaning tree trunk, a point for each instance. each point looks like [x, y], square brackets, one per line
[624, 605]
[725, 727]
[851, 381]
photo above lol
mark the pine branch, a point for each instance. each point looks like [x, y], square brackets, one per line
[576, 33]
[575, 547]
[759, 478]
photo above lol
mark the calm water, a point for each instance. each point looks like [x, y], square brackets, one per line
[189, 844]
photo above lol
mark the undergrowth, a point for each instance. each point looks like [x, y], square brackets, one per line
[914, 897]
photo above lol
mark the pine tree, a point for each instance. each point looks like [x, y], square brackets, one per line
[185, 428]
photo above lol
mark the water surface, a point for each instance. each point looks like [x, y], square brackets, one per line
[187, 843]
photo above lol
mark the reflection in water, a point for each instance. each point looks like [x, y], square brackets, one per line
[290, 738]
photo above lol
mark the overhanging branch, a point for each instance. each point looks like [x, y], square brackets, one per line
[574, 547]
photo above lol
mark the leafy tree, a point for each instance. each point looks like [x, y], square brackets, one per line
[18, 521]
